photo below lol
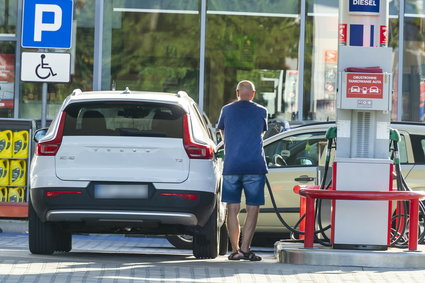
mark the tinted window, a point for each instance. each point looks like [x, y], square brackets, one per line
[123, 119]
[418, 146]
[199, 128]
[298, 150]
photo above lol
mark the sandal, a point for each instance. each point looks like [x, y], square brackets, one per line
[250, 256]
[235, 256]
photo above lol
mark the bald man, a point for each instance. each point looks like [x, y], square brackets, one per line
[243, 124]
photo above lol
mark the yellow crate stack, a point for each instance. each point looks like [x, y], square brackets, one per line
[14, 151]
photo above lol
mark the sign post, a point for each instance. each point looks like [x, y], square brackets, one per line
[46, 24]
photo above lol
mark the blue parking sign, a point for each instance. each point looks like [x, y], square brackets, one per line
[47, 23]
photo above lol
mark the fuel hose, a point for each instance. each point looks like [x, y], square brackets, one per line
[330, 135]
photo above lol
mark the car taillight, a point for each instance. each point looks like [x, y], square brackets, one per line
[184, 196]
[51, 147]
[52, 194]
[194, 150]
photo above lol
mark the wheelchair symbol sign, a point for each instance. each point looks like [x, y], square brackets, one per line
[45, 67]
[43, 71]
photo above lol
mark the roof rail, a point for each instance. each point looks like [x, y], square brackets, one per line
[76, 91]
[181, 93]
[126, 91]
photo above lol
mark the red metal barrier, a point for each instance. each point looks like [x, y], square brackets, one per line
[303, 209]
[311, 193]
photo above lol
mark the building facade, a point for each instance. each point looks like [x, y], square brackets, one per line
[288, 48]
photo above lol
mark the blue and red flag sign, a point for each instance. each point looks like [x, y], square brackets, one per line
[362, 35]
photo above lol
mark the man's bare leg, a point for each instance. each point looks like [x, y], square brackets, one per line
[233, 224]
[249, 227]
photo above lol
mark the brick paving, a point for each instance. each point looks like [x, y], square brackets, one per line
[128, 259]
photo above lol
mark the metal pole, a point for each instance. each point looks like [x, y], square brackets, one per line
[202, 54]
[98, 46]
[43, 105]
[301, 61]
[400, 62]
[17, 92]
[413, 224]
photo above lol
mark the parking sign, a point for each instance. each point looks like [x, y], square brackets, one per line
[47, 23]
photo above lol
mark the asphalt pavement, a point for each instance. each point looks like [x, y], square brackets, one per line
[116, 258]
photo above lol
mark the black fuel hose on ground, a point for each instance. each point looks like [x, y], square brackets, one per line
[331, 134]
[399, 237]
[402, 239]
[287, 226]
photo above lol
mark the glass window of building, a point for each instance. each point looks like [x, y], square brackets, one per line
[7, 78]
[82, 53]
[414, 61]
[8, 20]
[151, 45]
[8, 17]
[321, 60]
[257, 41]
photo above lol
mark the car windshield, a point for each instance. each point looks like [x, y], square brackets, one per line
[123, 119]
[297, 150]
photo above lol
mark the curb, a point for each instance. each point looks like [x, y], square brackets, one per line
[14, 226]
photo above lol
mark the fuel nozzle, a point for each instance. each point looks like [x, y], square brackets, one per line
[331, 133]
[330, 136]
[395, 138]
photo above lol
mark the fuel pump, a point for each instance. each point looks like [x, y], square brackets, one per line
[362, 139]
[363, 122]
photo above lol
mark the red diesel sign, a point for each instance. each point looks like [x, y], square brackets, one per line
[361, 85]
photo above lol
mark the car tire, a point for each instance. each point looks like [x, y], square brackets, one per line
[184, 242]
[41, 236]
[206, 240]
[224, 240]
[63, 241]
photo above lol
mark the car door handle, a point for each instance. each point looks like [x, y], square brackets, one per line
[304, 179]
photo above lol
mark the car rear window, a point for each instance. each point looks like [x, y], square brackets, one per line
[142, 119]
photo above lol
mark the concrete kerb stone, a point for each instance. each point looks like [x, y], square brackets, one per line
[13, 226]
[295, 253]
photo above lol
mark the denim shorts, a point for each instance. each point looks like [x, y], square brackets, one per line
[252, 185]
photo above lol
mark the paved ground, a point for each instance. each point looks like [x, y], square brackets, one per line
[123, 259]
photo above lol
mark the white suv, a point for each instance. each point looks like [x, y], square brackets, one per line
[126, 162]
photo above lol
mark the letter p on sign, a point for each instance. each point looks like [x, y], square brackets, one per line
[40, 26]
[47, 23]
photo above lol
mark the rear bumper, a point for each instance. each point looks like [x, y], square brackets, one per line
[179, 218]
[156, 208]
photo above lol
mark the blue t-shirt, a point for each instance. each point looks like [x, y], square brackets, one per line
[243, 123]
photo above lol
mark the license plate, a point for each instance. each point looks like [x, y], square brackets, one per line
[114, 191]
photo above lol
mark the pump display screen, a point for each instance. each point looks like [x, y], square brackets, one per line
[363, 85]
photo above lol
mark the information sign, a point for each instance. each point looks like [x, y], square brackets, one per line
[364, 6]
[365, 85]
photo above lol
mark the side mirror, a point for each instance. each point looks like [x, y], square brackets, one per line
[218, 137]
[39, 134]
